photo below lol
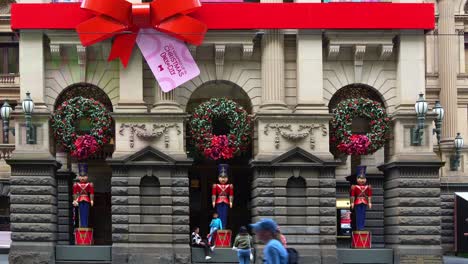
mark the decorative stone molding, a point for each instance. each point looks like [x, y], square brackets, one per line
[285, 131]
[333, 51]
[141, 131]
[220, 50]
[247, 51]
[359, 51]
[386, 51]
[6, 150]
[55, 52]
[81, 51]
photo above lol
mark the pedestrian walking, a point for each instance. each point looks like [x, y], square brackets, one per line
[243, 245]
[266, 231]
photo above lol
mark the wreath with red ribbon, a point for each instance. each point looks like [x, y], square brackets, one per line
[64, 123]
[220, 146]
[354, 144]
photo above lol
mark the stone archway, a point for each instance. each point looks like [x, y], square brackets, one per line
[374, 176]
[86, 90]
[99, 173]
[203, 173]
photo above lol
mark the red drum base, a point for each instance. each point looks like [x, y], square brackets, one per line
[83, 236]
[361, 239]
[223, 238]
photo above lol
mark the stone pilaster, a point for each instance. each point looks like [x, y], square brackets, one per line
[310, 72]
[412, 211]
[165, 102]
[411, 78]
[31, 48]
[448, 65]
[273, 71]
[131, 85]
[64, 207]
[33, 207]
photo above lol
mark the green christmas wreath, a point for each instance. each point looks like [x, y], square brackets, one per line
[220, 146]
[64, 124]
[341, 134]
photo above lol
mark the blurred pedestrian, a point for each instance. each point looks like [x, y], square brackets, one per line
[266, 231]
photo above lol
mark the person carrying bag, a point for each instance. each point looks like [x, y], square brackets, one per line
[243, 245]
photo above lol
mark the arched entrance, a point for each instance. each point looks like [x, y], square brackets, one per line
[99, 173]
[203, 174]
[374, 217]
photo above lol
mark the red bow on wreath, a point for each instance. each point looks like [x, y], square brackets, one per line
[123, 19]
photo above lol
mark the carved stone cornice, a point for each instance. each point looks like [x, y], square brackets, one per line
[142, 132]
[81, 51]
[333, 51]
[55, 52]
[359, 52]
[220, 50]
[247, 51]
[386, 51]
[303, 131]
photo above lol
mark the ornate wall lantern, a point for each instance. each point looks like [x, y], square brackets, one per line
[455, 159]
[5, 112]
[421, 109]
[28, 108]
[439, 110]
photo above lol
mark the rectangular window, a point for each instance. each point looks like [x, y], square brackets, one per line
[9, 58]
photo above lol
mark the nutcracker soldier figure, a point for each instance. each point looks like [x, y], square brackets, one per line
[361, 197]
[83, 198]
[222, 194]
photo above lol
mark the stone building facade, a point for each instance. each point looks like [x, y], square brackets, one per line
[289, 80]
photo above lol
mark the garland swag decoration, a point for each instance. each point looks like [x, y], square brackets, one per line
[341, 134]
[64, 122]
[220, 146]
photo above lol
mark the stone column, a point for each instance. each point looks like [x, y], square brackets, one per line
[31, 48]
[33, 208]
[165, 102]
[448, 68]
[131, 85]
[412, 211]
[310, 72]
[310, 69]
[273, 71]
[411, 78]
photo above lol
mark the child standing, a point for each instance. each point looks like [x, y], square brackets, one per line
[215, 225]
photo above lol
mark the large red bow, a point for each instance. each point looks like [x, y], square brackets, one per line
[123, 20]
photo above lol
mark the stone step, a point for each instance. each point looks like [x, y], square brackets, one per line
[82, 262]
[219, 256]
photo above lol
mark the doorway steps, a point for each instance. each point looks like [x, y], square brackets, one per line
[72, 254]
[218, 256]
[82, 262]
[362, 256]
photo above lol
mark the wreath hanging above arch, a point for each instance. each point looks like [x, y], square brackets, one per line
[220, 146]
[64, 124]
[354, 144]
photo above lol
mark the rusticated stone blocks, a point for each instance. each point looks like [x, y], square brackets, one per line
[412, 211]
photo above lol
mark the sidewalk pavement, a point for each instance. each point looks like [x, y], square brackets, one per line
[455, 260]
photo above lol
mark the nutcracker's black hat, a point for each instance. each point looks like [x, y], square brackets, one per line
[223, 170]
[82, 169]
[361, 172]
